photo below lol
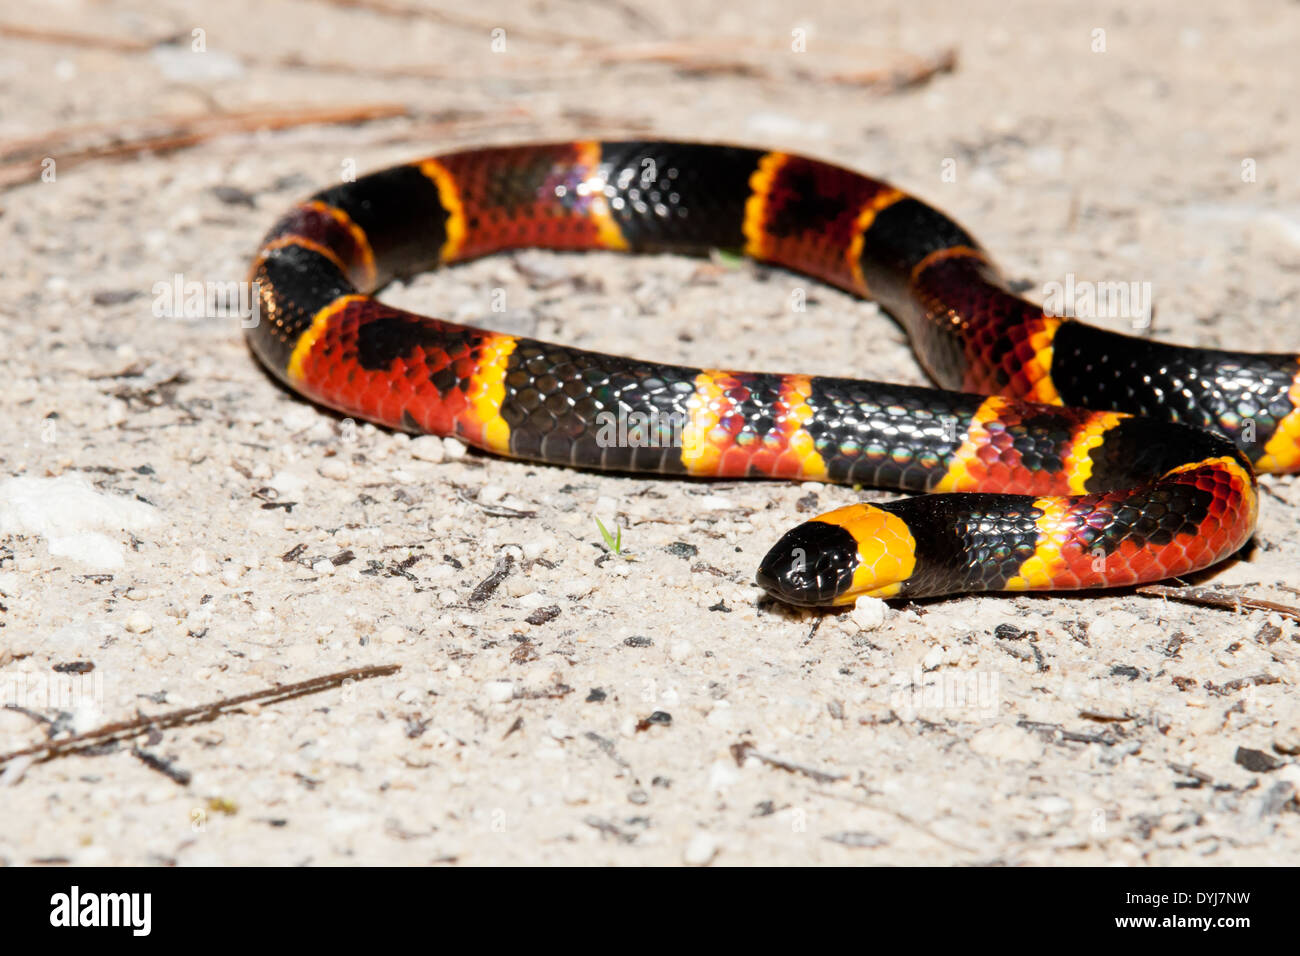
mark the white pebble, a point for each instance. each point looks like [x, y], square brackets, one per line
[932, 659]
[720, 716]
[391, 635]
[1290, 773]
[139, 623]
[335, 469]
[869, 613]
[499, 691]
[723, 774]
[1053, 805]
[1287, 739]
[536, 547]
[454, 448]
[700, 850]
[115, 412]
[287, 483]
[714, 503]
[430, 448]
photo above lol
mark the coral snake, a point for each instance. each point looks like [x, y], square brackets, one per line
[1098, 460]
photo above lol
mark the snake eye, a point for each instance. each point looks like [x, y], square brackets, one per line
[811, 565]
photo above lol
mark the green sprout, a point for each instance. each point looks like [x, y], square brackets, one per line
[612, 541]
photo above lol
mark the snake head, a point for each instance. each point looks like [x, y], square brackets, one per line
[852, 552]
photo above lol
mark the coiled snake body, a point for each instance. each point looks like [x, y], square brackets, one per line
[1096, 460]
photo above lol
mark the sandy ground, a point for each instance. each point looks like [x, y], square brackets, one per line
[194, 532]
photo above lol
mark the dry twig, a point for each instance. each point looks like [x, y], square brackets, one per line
[204, 713]
[744, 749]
[21, 161]
[1206, 597]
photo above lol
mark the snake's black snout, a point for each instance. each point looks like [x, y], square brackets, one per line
[811, 565]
